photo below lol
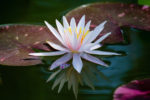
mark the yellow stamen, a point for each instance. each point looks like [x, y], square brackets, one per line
[84, 35]
[82, 39]
[86, 32]
[74, 51]
[70, 31]
[80, 31]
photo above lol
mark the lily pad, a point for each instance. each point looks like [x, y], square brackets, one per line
[135, 90]
[16, 41]
[117, 15]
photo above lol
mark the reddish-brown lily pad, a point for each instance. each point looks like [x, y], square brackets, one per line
[17, 41]
[135, 90]
[117, 15]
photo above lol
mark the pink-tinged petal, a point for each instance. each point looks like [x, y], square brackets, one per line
[81, 23]
[55, 53]
[77, 62]
[55, 33]
[74, 41]
[57, 47]
[93, 59]
[102, 38]
[65, 23]
[73, 37]
[135, 90]
[61, 61]
[68, 37]
[67, 40]
[97, 52]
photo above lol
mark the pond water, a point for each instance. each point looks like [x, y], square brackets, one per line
[29, 83]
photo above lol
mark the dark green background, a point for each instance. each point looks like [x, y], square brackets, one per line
[36, 11]
[28, 83]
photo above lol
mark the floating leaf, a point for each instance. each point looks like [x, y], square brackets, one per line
[117, 15]
[17, 41]
[135, 90]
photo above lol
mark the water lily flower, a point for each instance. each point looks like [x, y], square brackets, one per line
[77, 42]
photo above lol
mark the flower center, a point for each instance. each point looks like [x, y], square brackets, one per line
[74, 51]
[81, 34]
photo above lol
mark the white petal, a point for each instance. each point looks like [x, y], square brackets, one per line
[74, 41]
[87, 38]
[68, 36]
[96, 46]
[89, 46]
[70, 33]
[74, 35]
[57, 47]
[97, 52]
[73, 24]
[79, 38]
[93, 59]
[65, 22]
[61, 60]
[81, 24]
[55, 33]
[77, 62]
[93, 34]
[60, 29]
[87, 26]
[96, 32]
[102, 38]
[85, 47]
[55, 53]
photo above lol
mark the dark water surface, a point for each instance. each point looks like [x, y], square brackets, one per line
[28, 83]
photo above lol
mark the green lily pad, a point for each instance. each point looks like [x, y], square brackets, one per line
[17, 41]
[117, 15]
